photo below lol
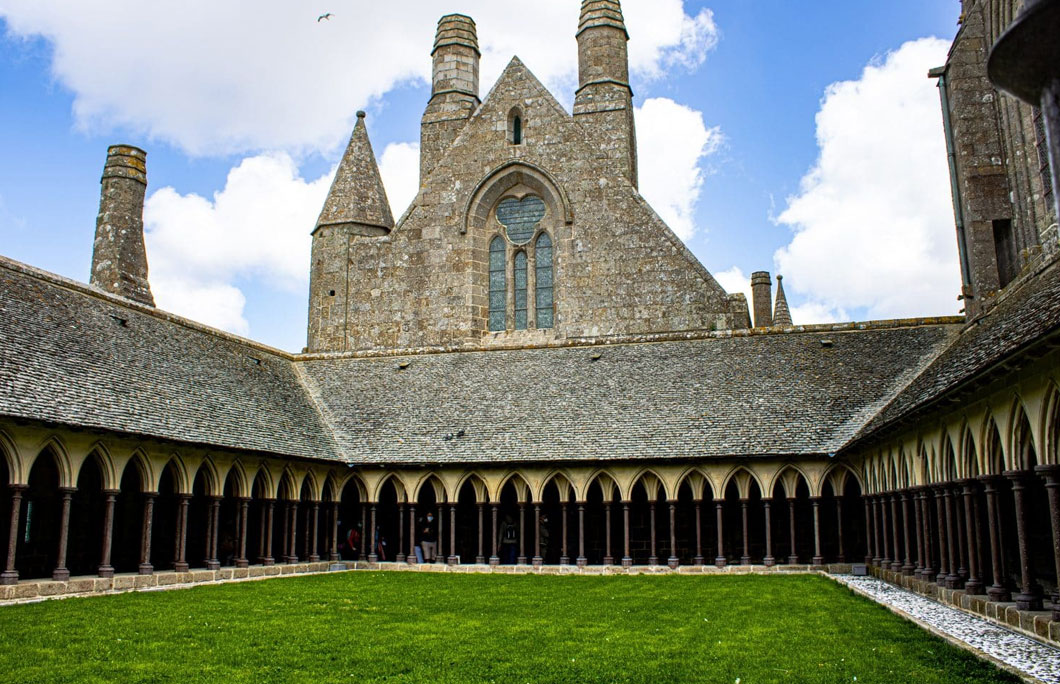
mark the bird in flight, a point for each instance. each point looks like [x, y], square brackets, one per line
[324, 16]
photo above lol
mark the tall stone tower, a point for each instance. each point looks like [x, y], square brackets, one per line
[356, 211]
[604, 101]
[119, 259]
[454, 88]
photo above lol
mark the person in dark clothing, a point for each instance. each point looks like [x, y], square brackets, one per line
[428, 538]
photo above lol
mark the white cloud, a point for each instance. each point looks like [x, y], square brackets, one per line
[671, 142]
[735, 281]
[227, 77]
[873, 221]
[400, 169]
[256, 227]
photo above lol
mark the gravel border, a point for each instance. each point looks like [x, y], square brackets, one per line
[1022, 655]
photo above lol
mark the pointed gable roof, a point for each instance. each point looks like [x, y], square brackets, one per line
[357, 195]
[781, 314]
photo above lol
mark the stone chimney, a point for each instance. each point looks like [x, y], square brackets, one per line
[454, 88]
[604, 100]
[781, 314]
[762, 298]
[119, 259]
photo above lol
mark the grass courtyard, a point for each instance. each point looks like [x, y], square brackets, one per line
[426, 627]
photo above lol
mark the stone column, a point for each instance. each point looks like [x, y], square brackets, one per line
[495, 558]
[267, 559]
[333, 553]
[10, 575]
[839, 527]
[399, 556]
[580, 561]
[564, 558]
[996, 591]
[211, 534]
[244, 512]
[521, 560]
[919, 524]
[453, 558]
[927, 573]
[364, 533]
[480, 558]
[653, 559]
[440, 552]
[769, 560]
[961, 524]
[876, 557]
[627, 560]
[293, 531]
[313, 534]
[373, 556]
[944, 561]
[608, 560]
[411, 557]
[896, 564]
[672, 561]
[1030, 597]
[105, 568]
[698, 560]
[719, 560]
[537, 559]
[145, 533]
[794, 557]
[180, 563]
[974, 585]
[61, 572]
[745, 557]
[868, 529]
[1051, 475]
[818, 559]
[908, 567]
[953, 580]
[885, 562]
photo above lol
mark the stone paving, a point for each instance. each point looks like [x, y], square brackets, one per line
[1027, 656]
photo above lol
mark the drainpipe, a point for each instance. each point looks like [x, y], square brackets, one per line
[955, 187]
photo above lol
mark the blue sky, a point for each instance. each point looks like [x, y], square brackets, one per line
[787, 152]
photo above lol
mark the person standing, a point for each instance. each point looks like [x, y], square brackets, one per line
[428, 538]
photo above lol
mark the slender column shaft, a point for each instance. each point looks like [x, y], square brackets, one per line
[745, 559]
[244, 513]
[441, 531]
[608, 560]
[364, 531]
[293, 530]
[269, 508]
[211, 534]
[974, 585]
[564, 558]
[940, 513]
[480, 557]
[818, 559]
[1051, 474]
[997, 591]
[768, 560]
[719, 560]
[928, 573]
[538, 558]
[581, 536]
[314, 532]
[919, 524]
[61, 572]
[908, 567]
[452, 533]
[333, 552]
[373, 555]
[960, 522]
[698, 560]
[868, 529]
[181, 562]
[953, 580]
[653, 559]
[105, 568]
[411, 558]
[10, 575]
[627, 560]
[1029, 597]
[521, 560]
[876, 557]
[495, 558]
[839, 527]
[885, 562]
[145, 534]
[672, 561]
[896, 563]
[793, 558]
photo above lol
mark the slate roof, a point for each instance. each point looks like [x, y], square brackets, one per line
[76, 356]
[757, 395]
[1020, 320]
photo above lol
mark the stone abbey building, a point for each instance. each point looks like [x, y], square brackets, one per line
[531, 343]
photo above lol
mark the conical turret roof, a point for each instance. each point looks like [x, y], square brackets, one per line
[781, 314]
[357, 195]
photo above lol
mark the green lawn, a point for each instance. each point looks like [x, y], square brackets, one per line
[426, 627]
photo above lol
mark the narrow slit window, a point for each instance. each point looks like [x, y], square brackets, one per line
[543, 281]
[517, 130]
[498, 286]
[520, 290]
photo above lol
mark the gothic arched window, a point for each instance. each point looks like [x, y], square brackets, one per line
[498, 286]
[543, 281]
[520, 290]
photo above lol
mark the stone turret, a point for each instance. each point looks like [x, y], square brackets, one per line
[604, 101]
[781, 314]
[762, 298]
[356, 210]
[454, 88]
[119, 259]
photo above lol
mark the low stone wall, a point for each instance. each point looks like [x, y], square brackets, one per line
[1037, 624]
[40, 589]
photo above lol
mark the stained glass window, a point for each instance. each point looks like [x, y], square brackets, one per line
[498, 286]
[543, 281]
[520, 290]
[520, 217]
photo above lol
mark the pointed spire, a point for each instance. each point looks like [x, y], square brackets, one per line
[357, 195]
[781, 314]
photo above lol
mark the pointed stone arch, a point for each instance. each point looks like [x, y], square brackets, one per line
[289, 488]
[947, 462]
[992, 457]
[431, 479]
[105, 461]
[9, 452]
[241, 484]
[968, 455]
[606, 481]
[67, 476]
[1023, 450]
[519, 482]
[838, 474]
[212, 480]
[142, 463]
[788, 478]
[699, 484]
[354, 478]
[477, 482]
[507, 176]
[563, 483]
[262, 485]
[1050, 453]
